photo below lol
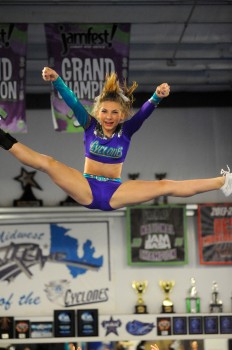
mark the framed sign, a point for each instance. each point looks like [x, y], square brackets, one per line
[6, 327]
[22, 329]
[64, 323]
[211, 324]
[164, 326]
[179, 325]
[87, 323]
[226, 324]
[41, 329]
[157, 235]
[195, 324]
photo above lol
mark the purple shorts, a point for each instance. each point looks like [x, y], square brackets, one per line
[102, 191]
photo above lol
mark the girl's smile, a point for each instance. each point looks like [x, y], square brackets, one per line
[109, 116]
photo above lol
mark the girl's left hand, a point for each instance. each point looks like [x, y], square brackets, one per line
[163, 90]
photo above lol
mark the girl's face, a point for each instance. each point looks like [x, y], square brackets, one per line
[110, 115]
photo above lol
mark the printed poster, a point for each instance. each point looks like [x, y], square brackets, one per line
[157, 235]
[52, 266]
[215, 234]
[13, 49]
[82, 54]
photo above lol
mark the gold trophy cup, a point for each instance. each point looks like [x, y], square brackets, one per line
[140, 288]
[167, 305]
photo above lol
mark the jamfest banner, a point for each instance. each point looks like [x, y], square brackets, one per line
[13, 47]
[82, 54]
[157, 235]
[215, 234]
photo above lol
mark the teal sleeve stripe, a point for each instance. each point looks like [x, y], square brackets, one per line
[72, 101]
[155, 99]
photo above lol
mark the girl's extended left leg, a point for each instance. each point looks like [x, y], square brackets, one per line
[139, 191]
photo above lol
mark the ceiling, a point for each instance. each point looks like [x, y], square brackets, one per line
[185, 43]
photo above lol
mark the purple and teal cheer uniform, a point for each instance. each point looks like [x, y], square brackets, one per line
[101, 148]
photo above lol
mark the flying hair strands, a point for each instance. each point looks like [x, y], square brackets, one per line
[113, 91]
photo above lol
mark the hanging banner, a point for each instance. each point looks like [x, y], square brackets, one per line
[13, 46]
[82, 54]
[215, 234]
[157, 235]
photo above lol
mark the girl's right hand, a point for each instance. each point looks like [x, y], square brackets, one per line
[49, 74]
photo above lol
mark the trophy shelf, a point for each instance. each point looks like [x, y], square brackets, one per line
[121, 334]
[21, 213]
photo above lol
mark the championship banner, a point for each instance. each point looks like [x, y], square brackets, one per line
[13, 46]
[157, 235]
[82, 54]
[215, 234]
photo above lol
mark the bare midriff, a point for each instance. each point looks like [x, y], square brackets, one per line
[102, 169]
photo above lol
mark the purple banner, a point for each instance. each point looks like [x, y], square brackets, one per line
[13, 46]
[83, 54]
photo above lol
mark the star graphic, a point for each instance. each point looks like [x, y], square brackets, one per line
[111, 326]
[26, 178]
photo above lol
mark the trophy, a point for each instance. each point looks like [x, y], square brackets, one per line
[193, 303]
[140, 287]
[167, 305]
[28, 199]
[216, 304]
[133, 176]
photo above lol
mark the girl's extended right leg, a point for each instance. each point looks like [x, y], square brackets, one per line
[68, 179]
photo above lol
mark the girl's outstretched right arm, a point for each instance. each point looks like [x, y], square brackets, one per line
[68, 95]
